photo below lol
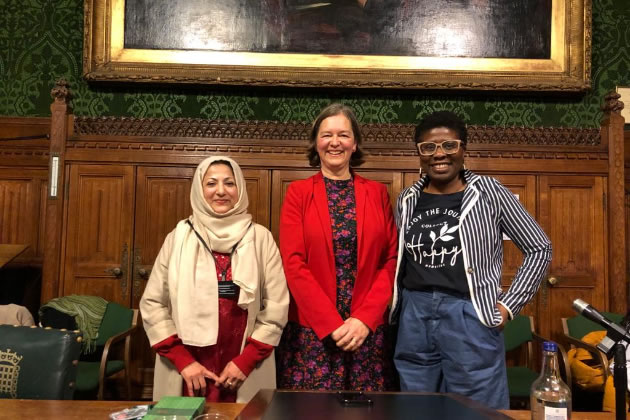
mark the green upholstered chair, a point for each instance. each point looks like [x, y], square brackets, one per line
[522, 341]
[575, 328]
[113, 345]
[38, 363]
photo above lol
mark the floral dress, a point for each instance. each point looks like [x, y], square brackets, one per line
[305, 362]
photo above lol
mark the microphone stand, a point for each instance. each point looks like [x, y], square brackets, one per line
[615, 335]
[612, 345]
[620, 381]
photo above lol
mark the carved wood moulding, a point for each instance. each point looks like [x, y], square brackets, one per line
[11, 152]
[612, 104]
[125, 74]
[386, 134]
[300, 150]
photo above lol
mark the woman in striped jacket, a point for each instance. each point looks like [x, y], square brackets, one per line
[448, 299]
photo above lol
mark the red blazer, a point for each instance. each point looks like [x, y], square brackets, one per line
[309, 265]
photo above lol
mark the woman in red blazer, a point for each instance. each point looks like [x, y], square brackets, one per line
[338, 247]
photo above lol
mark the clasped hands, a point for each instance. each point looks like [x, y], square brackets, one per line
[195, 376]
[351, 335]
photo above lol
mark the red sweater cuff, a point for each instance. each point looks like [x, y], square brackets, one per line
[253, 353]
[174, 350]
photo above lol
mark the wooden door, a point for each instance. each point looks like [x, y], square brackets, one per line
[99, 229]
[280, 181]
[573, 214]
[259, 194]
[409, 178]
[392, 180]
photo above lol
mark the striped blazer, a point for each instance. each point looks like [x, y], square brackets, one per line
[489, 209]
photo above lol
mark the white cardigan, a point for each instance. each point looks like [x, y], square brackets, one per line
[266, 314]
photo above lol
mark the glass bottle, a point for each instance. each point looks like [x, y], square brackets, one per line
[550, 397]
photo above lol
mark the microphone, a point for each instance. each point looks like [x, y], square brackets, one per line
[615, 332]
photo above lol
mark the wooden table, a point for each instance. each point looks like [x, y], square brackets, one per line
[87, 410]
[9, 251]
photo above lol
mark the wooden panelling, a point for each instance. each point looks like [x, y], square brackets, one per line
[22, 207]
[24, 141]
[99, 232]
[25, 129]
[280, 181]
[258, 192]
[410, 177]
[573, 214]
[392, 180]
[24, 151]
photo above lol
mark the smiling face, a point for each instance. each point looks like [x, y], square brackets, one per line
[219, 188]
[443, 169]
[335, 145]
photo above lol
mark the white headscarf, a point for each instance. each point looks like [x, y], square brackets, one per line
[192, 278]
[222, 231]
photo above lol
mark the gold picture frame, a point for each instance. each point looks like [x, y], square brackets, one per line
[105, 59]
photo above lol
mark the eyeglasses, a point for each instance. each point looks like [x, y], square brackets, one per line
[428, 148]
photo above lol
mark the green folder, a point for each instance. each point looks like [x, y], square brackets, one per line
[180, 408]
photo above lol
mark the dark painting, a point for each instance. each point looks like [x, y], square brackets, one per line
[416, 28]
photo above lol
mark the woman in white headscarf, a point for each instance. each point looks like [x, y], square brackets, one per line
[217, 300]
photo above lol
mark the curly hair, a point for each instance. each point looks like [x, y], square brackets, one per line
[446, 119]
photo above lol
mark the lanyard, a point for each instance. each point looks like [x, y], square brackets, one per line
[226, 289]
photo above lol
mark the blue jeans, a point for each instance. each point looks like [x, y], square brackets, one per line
[443, 347]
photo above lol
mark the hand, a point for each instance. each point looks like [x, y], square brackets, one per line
[504, 315]
[231, 377]
[351, 335]
[195, 377]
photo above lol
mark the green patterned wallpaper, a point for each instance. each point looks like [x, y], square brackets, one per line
[41, 40]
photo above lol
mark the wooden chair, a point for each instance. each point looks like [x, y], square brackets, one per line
[111, 354]
[595, 372]
[519, 337]
[577, 327]
[117, 327]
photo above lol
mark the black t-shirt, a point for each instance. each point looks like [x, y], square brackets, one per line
[433, 250]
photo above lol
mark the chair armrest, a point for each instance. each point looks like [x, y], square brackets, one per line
[563, 359]
[598, 356]
[112, 340]
[538, 337]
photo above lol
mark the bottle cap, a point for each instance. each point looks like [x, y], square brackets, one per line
[550, 346]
